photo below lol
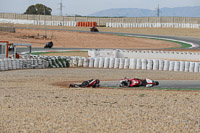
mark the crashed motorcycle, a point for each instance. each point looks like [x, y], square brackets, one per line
[135, 82]
[90, 83]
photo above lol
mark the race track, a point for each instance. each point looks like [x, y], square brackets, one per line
[163, 83]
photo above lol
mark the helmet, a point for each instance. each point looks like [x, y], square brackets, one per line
[124, 82]
[156, 83]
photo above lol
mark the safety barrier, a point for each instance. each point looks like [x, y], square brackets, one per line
[133, 63]
[86, 24]
[39, 22]
[146, 54]
[53, 23]
[34, 62]
[152, 25]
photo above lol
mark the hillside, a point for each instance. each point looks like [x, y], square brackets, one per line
[136, 12]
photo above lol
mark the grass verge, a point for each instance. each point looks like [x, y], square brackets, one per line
[183, 45]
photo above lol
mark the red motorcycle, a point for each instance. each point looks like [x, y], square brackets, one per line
[135, 82]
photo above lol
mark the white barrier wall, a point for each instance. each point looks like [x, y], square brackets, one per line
[39, 22]
[146, 54]
[117, 63]
[152, 25]
[141, 64]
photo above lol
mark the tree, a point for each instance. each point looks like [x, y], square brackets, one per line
[38, 9]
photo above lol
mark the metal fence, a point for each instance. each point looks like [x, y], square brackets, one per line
[103, 20]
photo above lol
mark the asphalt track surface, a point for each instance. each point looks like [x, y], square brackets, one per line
[163, 83]
[193, 84]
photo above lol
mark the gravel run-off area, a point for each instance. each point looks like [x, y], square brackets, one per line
[39, 100]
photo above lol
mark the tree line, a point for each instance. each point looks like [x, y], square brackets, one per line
[38, 9]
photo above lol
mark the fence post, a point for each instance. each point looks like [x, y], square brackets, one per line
[51, 20]
[63, 20]
[99, 21]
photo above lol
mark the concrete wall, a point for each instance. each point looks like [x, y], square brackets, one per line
[103, 20]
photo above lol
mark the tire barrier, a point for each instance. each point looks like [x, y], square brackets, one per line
[112, 63]
[106, 63]
[152, 25]
[145, 54]
[40, 62]
[177, 66]
[149, 64]
[96, 62]
[121, 63]
[117, 60]
[187, 65]
[39, 22]
[101, 62]
[139, 64]
[155, 64]
[161, 65]
[37, 62]
[91, 62]
[126, 63]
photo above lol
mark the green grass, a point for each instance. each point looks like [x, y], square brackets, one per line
[40, 53]
[183, 45]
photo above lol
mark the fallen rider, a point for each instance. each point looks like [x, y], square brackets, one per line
[135, 82]
[90, 83]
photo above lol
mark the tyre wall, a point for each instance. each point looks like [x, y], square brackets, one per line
[138, 64]
[39, 22]
[146, 54]
[152, 25]
[40, 62]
